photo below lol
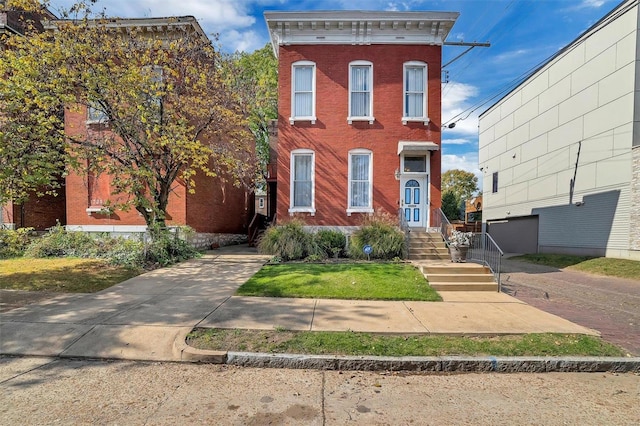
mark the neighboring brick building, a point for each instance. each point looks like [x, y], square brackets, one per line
[37, 212]
[218, 211]
[359, 120]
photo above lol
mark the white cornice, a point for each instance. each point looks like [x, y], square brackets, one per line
[359, 27]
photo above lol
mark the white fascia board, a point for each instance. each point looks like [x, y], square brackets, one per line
[358, 27]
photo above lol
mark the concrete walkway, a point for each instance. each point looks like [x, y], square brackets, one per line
[147, 317]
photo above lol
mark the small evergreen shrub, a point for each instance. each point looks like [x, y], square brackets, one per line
[382, 234]
[332, 243]
[289, 241]
[13, 243]
[167, 248]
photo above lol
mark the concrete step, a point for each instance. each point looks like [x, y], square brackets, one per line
[455, 268]
[418, 243]
[429, 257]
[456, 278]
[464, 286]
[428, 250]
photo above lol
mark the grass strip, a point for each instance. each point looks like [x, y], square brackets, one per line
[66, 275]
[352, 343]
[358, 281]
[620, 268]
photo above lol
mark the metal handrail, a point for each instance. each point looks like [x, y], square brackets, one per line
[483, 248]
[486, 251]
[440, 221]
[404, 226]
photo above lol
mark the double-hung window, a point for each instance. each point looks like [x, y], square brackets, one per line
[303, 92]
[302, 181]
[415, 92]
[361, 92]
[360, 181]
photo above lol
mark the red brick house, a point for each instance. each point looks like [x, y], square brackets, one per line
[219, 212]
[38, 212]
[359, 119]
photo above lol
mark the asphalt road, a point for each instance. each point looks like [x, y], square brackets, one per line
[609, 305]
[57, 391]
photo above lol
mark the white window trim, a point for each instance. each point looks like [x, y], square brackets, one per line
[312, 118]
[405, 118]
[312, 209]
[370, 118]
[369, 208]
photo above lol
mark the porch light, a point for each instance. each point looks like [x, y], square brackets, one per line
[397, 174]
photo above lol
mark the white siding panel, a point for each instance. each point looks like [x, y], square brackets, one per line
[625, 51]
[614, 171]
[594, 70]
[616, 85]
[609, 35]
[504, 126]
[490, 118]
[567, 134]
[544, 187]
[518, 137]
[523, 172]
[535, 86]
[487, 135]
[510, 104]
[544, 122]
[526, 113]
[517, 193]
[585, 178]
[566, 64]
[554, 161]
[594, 149]
[534, 147]
[563, 183]
[555, 94]
[613, 114]
[579, 104]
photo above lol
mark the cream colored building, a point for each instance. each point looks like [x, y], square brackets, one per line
[560, 153]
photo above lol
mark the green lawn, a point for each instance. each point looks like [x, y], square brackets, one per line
[350, 343]
[61, 275]
[362, 281]
[621, 268]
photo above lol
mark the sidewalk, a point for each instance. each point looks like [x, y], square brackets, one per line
[144, 317]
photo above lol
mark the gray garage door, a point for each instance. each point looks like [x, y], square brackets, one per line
[515, 235]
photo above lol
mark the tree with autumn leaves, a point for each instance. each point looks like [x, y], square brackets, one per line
[457, 186]
[170, 109]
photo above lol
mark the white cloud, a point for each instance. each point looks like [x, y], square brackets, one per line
[458, 141]
[455, 101]
[467, 162]
[246, 41]
[592, 3]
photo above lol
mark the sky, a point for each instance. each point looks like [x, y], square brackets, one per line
[522, 33]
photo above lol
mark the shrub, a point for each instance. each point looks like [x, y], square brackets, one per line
[60, 243]
[289, 241]
[382, 234]
[167, 248]
[164, 249]
[332, 243]
[13, 243]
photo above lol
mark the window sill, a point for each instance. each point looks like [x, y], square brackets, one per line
[292, 120]
[360, 210]
[350, 120]
[293, 211]
[425, 120]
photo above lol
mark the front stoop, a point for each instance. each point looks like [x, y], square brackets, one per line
[444, 276]
[430, 253]
[427, 246]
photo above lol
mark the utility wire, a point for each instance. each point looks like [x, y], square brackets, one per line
[528, 73]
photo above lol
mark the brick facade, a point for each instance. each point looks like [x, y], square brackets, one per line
[331, 137]
[216, 207]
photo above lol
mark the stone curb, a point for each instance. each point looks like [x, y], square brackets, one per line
[451, 364]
